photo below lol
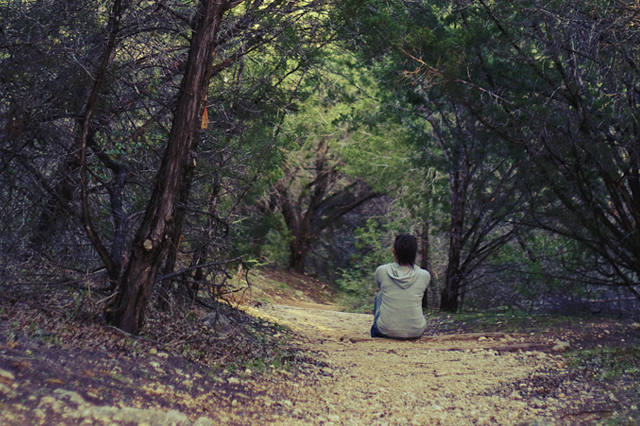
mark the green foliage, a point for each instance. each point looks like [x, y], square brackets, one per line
[498, 81]
[263, 239]
[512, 320]
[609, 363]
[357, 282]
[345, 112]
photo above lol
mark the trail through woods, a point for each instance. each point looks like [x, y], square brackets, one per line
[467, 379]
[56, 370]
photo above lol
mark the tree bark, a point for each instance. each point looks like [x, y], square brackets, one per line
[425, 258]
[451, 290]
[299, 250]
[151, 241]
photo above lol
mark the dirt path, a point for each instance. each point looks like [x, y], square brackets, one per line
[96, 375]
[450, 382]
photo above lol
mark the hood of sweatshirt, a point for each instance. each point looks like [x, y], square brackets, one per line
[403, 276]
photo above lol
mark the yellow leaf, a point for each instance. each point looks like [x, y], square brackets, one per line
[205, 119]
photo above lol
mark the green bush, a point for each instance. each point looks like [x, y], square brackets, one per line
[357, 282]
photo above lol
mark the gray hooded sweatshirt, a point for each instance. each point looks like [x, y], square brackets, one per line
[400, 300]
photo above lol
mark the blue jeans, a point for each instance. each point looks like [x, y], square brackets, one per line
[376, 313]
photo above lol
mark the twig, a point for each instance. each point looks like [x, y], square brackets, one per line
[180, 342]
[582, 413]
[468, 336]
[107, 298]
[508, 348]
[32, 305]
[133, 336]
[182, 271]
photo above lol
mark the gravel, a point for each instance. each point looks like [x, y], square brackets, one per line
[392, 382]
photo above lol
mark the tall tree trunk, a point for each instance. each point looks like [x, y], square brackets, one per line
[299, 251]
[160, 220]
[451, 290]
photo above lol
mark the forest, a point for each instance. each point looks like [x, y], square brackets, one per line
[150, 151]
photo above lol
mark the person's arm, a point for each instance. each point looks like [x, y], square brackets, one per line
[377, 276]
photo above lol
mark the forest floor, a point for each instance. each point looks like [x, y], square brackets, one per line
[289, 357]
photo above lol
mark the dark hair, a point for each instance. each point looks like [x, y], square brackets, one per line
[405, 248]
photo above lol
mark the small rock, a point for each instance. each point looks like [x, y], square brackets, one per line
[233, 380]
[6, 390]
[561, 346]
[40, 415]
[72, 396]
[635, 326]
[204, 421]
[515, 395]
[6, 377]
[218, 322]
[355, 338]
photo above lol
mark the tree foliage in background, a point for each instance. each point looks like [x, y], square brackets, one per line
[559, 83]
[529, 107]
[108, 100]
[337, 155]
[484, 195]
[137, 137]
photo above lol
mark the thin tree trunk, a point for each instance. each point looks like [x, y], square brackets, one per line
[85, 125]
[425, 259]
[451, 290]
[160, 220]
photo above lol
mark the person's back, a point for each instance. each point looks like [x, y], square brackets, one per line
[401, 292]
[398, 307]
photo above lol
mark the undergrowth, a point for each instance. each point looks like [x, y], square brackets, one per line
[609, 363]
[67, 317]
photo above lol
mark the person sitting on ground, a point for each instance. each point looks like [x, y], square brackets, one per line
[398, 305]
